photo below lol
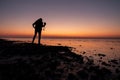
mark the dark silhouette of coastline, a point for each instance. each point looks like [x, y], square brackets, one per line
[26, 61]
[38, 25]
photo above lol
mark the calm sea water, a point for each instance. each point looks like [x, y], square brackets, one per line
[86, 47]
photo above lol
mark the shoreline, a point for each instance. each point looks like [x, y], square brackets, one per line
[21, 61]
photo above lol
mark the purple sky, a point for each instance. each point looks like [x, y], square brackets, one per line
[74, 17]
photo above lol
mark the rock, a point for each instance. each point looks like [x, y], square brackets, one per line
[83, 75]
[102, 55]
[105, 64]
[117, 70]
[114, 61]
[83, 52]
[72, 77]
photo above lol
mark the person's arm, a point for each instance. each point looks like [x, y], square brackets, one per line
[33, 25]
[44, 24]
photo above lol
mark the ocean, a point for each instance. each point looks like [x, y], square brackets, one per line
[103, 52]
[86, 47]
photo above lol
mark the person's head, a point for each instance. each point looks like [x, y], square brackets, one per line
[40, 19]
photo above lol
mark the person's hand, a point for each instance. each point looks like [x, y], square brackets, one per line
[33, 26]
[44, 23]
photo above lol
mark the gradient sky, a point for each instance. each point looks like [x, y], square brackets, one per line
[76, 18]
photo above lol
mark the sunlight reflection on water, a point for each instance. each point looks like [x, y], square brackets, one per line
[86, 47]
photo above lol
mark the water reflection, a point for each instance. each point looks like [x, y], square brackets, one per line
[86, 47]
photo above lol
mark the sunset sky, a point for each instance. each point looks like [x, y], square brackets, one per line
[64, 18]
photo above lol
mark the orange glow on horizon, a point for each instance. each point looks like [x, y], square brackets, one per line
[52, 34]
[58, 31]
[82, 19]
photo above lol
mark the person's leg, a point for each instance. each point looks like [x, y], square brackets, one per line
[39, 35]
[34, 36]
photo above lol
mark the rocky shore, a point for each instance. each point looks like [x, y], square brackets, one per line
[26, 61]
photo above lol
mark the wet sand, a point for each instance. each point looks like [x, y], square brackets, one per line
[26, 61]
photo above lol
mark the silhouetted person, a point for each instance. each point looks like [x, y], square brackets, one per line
[38, 25]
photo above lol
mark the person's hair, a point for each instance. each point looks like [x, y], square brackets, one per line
[40, 19]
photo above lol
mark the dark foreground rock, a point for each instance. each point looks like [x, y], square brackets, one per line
[26, 61]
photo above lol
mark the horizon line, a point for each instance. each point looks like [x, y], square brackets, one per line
[61, 37]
